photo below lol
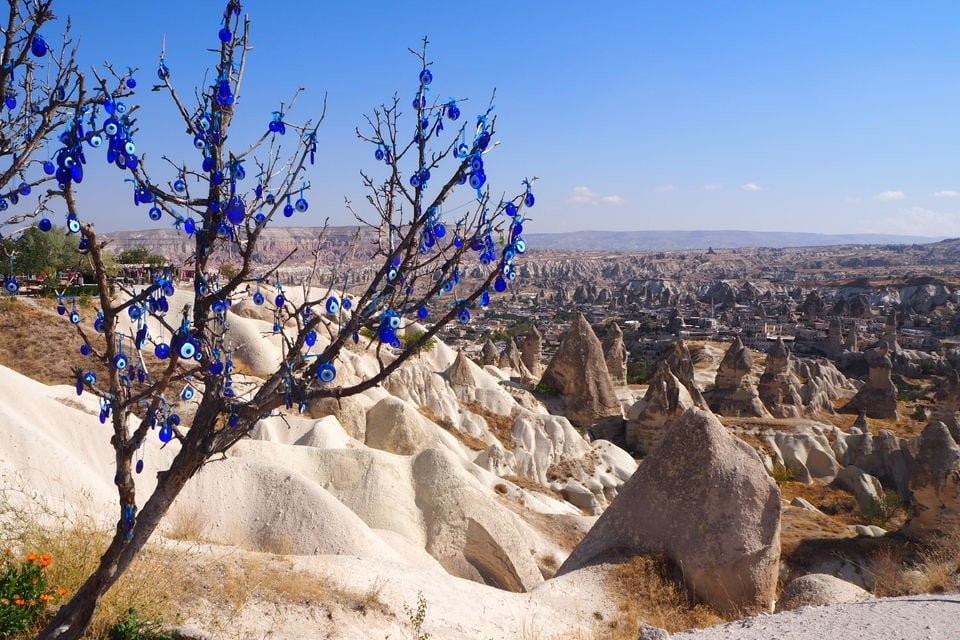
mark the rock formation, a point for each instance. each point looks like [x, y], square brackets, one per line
[510, 356]
[578, 372]
[681, 364]
[615, 354]
[531, 353]
[489, 355]
[935, 485]
[735, 393]
[878, 398]
[703, 499]
[818, 589]
[650, 418]
[779, 388]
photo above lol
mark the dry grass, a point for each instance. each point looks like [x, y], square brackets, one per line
[905, 570]
[841, 505]
[185, 523]
[470, 441]
[533, 485]
[647, 596]
[500, 426]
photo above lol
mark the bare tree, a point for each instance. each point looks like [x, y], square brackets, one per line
[225, 204]
[46, 100]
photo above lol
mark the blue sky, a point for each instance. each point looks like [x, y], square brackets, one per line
[817, 116]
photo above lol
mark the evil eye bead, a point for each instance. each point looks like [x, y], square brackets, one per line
[423, 312]
[134, 312]
[187, 350]
[187, 393]
[111, 127]
[45, 224]
[139, 466]
[477, 179]
[510, 209]
[224, 35]
[347, 303]
[49, 168]
[394, 322]
[311, 338]
[426, 77]
[130, 148]
[520, 245]
[529, 200]
[179, 185]
[61, 309]
[24, 189]
[38, 47]
[218, 306]
[131, 83]
[233, 421]
[483, 140]
[378, 154]
[485, 299]
[500, 285]
[288, 210]
[162, 351]
[199, 143]
[280, 300]
[453, 111]
[302, 205]
[155, 213]
[74, 317]
[327, 372]
[10, 101]
[120, 361]
[258, 298]
[166, 434]
[85, 349]
[189, 226]
[11, 285]
[333, 305]
[96, 141]
[73, 225]
[90, 377]
[463, 316]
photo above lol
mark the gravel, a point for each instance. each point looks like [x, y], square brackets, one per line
[923, 617]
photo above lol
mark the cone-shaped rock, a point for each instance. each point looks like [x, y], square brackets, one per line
[510, 356]
[681, 364]
[461, 373]
[578, 372]
[878, 398]
[703, 499]
[650, 418]
[531, 353]
[615, 353]
[489, 355]
[735, 393]
[935, 485]
[779, 388]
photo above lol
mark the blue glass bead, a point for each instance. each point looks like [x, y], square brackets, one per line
[216, 368]
[189, 226]
[134, 312]
[236, 210]
[288, 210]
[301, 205]
[394, 322]
[458, 242]
[38, 47]
[327, 372]
[49, 168]
[333, 305]
[166, 434]
[74, 317]
[73, 225]
[423, 312]
[187, 349]
[155, 213]
[529, 199]
[233, 421]
[463, 316]
[10, 101]
[439, 230]
[476, 163]
[483, 140]
[415, 181]
[258, 298]
[131, 83]
[224, 35]
[162, 351]
[45, 224]
[61, 309]
[24, 189]
[11, 285]
[500, 285]
[207, 164]
[485, 299]
[477, 179]
[96, 141]
[510, 209]
[280, 300]
[347, 303]
[120, 361]
[139, 466]
[426, 77]
[453, 111]
[520, 245]
[217, 177]
[163, 72]
[378, 154]
[311, 338]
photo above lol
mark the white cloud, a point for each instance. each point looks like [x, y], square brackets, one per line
[885, 196]
[711, 187]
[665, 188]
[946, 194]
[586, 195]
[751, 186]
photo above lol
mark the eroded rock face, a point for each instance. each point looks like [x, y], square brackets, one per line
[703, 499]
[878, 398]
[615, 353]
[779, 387]
[681, 364]
[489, 354]
[935, 485]
[818, 589]
[735, 393]
[578, 371]
[649, 419]
[531, 353]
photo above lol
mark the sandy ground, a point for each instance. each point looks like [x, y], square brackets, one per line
[923, 617]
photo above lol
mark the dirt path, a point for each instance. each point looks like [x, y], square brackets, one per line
[925, 617]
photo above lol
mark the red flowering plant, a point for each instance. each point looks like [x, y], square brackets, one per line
[24, 592]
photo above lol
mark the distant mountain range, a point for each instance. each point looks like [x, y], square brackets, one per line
[720, 239]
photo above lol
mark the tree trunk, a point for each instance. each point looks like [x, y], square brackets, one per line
[73, 618]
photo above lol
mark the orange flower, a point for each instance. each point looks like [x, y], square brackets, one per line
[32, 557]
[61, 592]
[9, 552]
[19, 602]
[45, 560]
[46, 597]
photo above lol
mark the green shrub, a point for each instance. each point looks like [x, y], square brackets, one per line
[24, 593]
[546, 389]
[131, 627]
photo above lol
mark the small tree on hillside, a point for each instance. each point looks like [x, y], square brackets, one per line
[224, 201]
